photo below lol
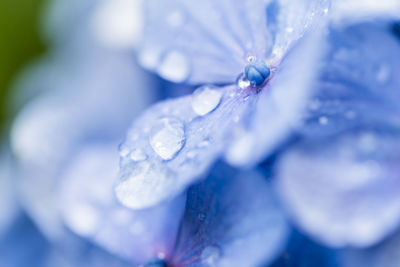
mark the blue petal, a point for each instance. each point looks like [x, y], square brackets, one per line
[358, 82]
[303, 252]
[350, 11]
[384, 254]
[174, 142]
[344, 191]
[91, 210]
[231, 219]
[209, 41]
[280, 102]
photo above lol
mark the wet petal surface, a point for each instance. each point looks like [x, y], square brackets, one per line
[209, 41]
[178, 140]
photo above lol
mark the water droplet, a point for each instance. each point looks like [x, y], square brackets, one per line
[143, 184]
[251, 59]
[242, 82]
[174, 67]
[167, 137]
[323, 120]
[138, 155]
[205, 99]
[210, 255]
[204, 143]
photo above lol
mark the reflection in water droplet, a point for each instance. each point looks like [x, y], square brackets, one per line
[138, 155]
[205, 99]
[242, 82]
[210, 255]
[174, 67]
[167, 137]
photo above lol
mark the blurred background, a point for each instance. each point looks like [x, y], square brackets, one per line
[20, 44]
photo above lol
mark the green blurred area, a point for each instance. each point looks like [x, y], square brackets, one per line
[19, 43]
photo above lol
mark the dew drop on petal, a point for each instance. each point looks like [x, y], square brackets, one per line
[210, 255]
[138, 155]
[174, 67]
[167, 137]
[141, 184]
[205, 99]
[242, 82]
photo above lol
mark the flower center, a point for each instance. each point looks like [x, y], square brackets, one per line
[256, 72]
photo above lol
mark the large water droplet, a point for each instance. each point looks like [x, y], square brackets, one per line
[167, 137]
[205, 99]
[138, 155]
[141, 184]
[210, 255]
[174, 67]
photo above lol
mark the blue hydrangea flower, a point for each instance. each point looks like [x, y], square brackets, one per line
[242, 44]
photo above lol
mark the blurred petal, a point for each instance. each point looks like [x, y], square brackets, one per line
[385, 254]
[347, 11]
[90, 209]
[72, 111]
[174, 142]
[209, 41]
[303, 252]
[279, 104]
[356, 87]
[344, 191]
[231, 219]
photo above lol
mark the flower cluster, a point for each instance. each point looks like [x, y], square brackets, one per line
[275, 140]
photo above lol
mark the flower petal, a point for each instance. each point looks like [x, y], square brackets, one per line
[231, 219]
[279, 104]
[344, 191]
[71, 111]
[174, 142]
[209, 41]
[384, 254]
[91, 210]
[358, 82]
